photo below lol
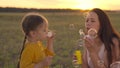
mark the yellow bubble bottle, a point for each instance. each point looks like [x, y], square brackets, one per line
[78, 50]
[78, 56]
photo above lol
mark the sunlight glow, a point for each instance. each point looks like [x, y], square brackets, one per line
[85, 4]
[62, 4]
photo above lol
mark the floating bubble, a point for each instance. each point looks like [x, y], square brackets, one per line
[72, 26]
[92, 33]
[49, 34]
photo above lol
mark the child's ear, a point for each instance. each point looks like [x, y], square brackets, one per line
[32, 33]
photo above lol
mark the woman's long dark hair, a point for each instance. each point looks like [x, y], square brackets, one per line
[106, 33]
[29, 23]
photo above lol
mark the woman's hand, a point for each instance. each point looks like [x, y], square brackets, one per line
[90, 44]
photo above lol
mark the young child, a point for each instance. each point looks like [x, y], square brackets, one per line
[34, 54]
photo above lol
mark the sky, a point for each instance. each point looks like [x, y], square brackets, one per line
[63, 4]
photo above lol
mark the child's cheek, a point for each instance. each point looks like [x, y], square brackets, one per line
[45, 36]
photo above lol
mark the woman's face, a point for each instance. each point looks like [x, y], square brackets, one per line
[92, 21]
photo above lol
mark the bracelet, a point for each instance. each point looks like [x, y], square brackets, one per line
[115, 64]
[100, 63]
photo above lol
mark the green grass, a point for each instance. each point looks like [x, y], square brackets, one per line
[11, 36]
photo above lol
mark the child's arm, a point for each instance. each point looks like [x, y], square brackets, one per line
[44, 63]
[50, 43]
[26, 58]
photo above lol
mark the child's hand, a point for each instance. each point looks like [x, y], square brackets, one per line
[50, 36]
[50, 41]
[47, 61]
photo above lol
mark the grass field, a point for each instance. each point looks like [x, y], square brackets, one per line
[11, 36]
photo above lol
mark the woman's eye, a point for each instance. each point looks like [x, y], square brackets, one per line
[44, 30]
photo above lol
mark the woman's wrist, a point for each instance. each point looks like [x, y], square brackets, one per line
[93, 54]
[100, 63]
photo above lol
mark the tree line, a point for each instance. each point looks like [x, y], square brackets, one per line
[13, 9]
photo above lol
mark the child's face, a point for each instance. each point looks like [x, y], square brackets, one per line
[41, 31]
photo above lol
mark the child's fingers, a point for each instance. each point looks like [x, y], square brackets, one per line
[49, 60]
[51, 34]
[50, 57]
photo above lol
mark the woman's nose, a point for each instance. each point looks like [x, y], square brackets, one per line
[88, 24]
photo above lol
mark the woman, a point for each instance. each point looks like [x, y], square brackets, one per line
[103, 50]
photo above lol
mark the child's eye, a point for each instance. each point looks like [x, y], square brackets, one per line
[87, 20]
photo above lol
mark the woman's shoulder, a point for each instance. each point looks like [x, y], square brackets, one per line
[116, 48]
[116, 41]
